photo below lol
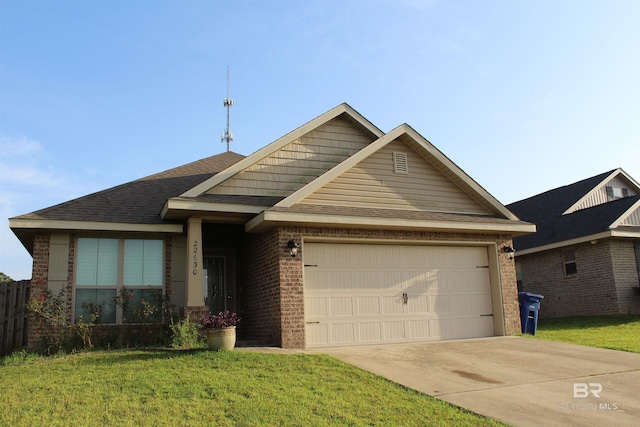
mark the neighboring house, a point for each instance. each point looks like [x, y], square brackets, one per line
[394, 241]
[584, 258]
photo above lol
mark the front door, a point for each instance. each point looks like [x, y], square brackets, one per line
[216, 292]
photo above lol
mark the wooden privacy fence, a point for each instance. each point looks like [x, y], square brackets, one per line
[13, 315]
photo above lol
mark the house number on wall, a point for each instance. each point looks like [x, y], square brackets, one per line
[195, 258]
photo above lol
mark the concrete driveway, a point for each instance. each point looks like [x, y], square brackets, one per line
[521, 381]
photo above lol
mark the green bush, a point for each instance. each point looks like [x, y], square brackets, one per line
[185, 334]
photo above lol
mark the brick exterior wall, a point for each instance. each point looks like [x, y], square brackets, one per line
[39, 281]
[606, 273]
[508, 279]
[260, 289]
[40, 275]
[625, 270]
[270, 288]
[273, 282]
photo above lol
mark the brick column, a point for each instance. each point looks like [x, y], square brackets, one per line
[39, 282]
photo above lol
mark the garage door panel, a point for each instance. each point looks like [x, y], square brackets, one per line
[342, 333]
[392, 305]
[341, 306]
[418, 305]
[354, 293]
[369, 305]
[420, 329]
[370, 331]
[439, 304]
[394, 331]
[317, 334]
[316, 307]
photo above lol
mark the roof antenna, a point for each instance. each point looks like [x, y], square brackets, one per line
[227, 136]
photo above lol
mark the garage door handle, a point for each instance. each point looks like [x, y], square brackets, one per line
[486, 315]
[405, 298]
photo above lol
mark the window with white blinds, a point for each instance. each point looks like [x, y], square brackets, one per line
[104, 265]
[142, 262]
[97, 263]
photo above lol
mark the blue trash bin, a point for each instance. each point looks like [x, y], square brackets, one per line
[529, 307]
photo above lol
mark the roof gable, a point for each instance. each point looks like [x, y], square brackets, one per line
[602, 192]
[360, 181]
[375, 183]
[297, 158]
[586, 224]
[571, 198]
[631, 218]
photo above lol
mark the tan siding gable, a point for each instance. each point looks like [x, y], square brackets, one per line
[299, 162]
[600, 196]
[633, 219]
[372, 183]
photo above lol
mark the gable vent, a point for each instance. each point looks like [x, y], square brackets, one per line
[400, 163]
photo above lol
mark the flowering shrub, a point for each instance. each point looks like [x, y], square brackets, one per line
[144, 305]
[123, 300]
[55, 333]
[221, 320]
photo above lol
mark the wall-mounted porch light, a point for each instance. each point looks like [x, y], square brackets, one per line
[293, 248]
[509, 250]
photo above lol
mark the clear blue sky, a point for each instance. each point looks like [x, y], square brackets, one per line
[524, 96]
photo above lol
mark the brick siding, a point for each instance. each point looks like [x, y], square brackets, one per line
[625, 270]
[606, 273]
[274, 288]
[39, 281]
[261, 289]
[270, 288]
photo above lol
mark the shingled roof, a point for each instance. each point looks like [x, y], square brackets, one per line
[584, 222]
[140, 201]
[557, 221]
[554, 202]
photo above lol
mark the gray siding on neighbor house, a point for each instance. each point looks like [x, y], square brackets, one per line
[633, 218]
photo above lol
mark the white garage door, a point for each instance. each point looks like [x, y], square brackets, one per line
[368, 294]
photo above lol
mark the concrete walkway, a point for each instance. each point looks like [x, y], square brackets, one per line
[521, 381]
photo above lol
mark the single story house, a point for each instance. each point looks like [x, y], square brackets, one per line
[335, 234]
[585, 257]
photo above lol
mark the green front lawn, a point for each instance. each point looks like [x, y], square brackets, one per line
[612, 332]
[174, 388]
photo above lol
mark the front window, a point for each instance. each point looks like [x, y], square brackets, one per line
[120, 279]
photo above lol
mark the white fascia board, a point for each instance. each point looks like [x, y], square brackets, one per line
[279, 144]
[387, 223]
[594, 189]
[625, 215]
[625, 233]
[194, 205]
[578, 240]
[35, 224]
